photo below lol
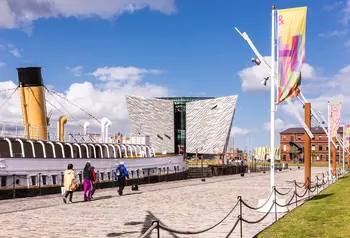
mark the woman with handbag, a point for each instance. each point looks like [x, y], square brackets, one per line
[69, 183]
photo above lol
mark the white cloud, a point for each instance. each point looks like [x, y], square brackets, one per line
[334, 33]
[279, 125]
[251, 77]
[347, 44]
[14, 51]
[100, 100]
[2, 64]
[77, 70]
[330, 7]
[236, 131]
[333, 89]
[19, 13]
[122, 73]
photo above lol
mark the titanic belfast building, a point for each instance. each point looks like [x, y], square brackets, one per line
[183, 124]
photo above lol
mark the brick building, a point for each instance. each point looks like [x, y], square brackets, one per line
[292, 145]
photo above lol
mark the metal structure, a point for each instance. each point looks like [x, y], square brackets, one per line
[154, 118]
[209, 124]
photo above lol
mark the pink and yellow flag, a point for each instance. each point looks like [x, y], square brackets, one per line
[347, 136]
[334, 118]
[291, 51]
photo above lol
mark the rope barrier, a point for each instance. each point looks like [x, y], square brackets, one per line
[295, 195]
[201, 231]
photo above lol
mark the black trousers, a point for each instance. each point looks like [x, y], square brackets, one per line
[70, 194]
[93, 189]
[121, 183]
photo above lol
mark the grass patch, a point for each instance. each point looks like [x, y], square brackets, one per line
[325, 215]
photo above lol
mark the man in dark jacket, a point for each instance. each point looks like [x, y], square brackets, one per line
[122, 173]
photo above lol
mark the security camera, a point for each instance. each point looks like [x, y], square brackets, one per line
[256, 61]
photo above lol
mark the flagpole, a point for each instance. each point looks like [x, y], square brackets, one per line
[329, 141]
[343, 147]
[272, 115]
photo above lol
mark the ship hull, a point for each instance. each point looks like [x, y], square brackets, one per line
[36, 175]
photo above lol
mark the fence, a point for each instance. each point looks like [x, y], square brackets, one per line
[296, 198]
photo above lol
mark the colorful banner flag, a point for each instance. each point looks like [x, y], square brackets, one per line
[291, 51]
[346, 136]
[335, 118]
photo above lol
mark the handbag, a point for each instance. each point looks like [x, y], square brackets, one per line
[73, 186]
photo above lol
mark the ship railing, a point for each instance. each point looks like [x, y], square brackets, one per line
[18, 130]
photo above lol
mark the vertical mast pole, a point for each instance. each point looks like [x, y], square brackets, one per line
[343, 147]
[272, 115]
[329, 141]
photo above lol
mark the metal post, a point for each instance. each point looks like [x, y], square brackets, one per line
[307, 146]
[272, 101]
[240, 215]
[149, 176]
[158, 229]
[14, 185]
[98, 179]
[275, 202]
[334, 158]
[295, 192]
[39, 184]
[62, 179]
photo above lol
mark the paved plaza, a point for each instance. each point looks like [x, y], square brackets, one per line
[187, 205]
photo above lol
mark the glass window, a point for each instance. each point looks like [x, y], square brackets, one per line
[299, 137]
[320, 137]
[320, 147]
[284, 137]
[3, 181]
[54, 177]
[313, 147]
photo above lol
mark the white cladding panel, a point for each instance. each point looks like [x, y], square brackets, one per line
[154, 118]
[208, 124]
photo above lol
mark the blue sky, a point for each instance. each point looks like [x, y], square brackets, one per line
[95, 53]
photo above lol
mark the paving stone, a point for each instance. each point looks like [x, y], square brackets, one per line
[186, 205]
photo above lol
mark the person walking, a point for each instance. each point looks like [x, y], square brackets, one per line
[122, 173]
[93, 181]
[87, 174]
[69, 183]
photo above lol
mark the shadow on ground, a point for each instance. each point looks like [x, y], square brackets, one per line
[321, 196]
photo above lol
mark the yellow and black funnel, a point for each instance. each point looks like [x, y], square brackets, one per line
[33, 102]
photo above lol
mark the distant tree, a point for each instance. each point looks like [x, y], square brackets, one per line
[313, 155]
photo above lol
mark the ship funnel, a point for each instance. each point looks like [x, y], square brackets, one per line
[86, 127]
[33, 102]
[60, 126]
[109, 123]
[104, 122]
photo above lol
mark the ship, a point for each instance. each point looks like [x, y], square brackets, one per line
[34, 154]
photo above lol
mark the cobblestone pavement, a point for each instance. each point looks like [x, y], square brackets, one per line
[188, 205]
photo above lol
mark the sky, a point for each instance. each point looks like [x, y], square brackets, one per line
[95, 52]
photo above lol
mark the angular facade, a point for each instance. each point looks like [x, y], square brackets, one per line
[177, 124]
[154, 118]
[208, 124]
